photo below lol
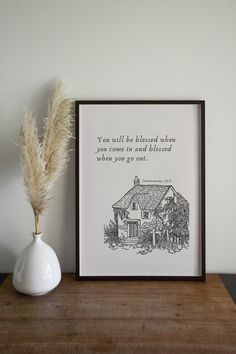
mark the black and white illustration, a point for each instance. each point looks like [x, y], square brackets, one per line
[149, 217]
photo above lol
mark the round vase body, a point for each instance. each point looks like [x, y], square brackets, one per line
[37, 270]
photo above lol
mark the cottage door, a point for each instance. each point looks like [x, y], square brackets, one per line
[133, 229]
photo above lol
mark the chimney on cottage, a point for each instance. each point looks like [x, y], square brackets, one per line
[136, 181]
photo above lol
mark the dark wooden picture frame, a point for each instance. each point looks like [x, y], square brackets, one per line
[200, 105]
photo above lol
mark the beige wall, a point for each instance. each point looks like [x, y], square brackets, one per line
[124, 49]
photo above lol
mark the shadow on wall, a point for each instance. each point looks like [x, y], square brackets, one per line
[7, 256]
[60, 218]
[9, 155]
[68, 218]
[68, 229]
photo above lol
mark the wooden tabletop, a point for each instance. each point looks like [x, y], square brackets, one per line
[119, 317]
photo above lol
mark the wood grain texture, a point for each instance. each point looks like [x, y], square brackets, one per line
[119, 317]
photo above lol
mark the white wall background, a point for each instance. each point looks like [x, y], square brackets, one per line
[123, 49]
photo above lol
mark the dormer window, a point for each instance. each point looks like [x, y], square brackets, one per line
[134, 206]
[145, 214]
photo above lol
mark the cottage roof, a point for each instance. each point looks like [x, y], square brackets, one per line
[147, 196]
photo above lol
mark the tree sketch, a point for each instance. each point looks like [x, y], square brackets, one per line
[149, 217]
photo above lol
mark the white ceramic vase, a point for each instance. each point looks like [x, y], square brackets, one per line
[37, 270]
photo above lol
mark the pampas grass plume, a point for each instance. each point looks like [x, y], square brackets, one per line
[44, 159]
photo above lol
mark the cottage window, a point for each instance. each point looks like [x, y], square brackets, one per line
[134, 206]
[145, 214]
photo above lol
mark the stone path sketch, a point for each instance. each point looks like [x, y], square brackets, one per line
[149, 217]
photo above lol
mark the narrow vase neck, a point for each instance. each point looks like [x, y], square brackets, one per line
[37, 237]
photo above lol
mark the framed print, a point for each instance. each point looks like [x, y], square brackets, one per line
[140, 190]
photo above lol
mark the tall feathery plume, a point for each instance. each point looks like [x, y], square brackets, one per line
[57, 132]
[43, 160]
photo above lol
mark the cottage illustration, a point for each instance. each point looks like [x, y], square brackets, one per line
[149, 216]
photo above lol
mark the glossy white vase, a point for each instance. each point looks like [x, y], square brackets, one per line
[37, 270]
